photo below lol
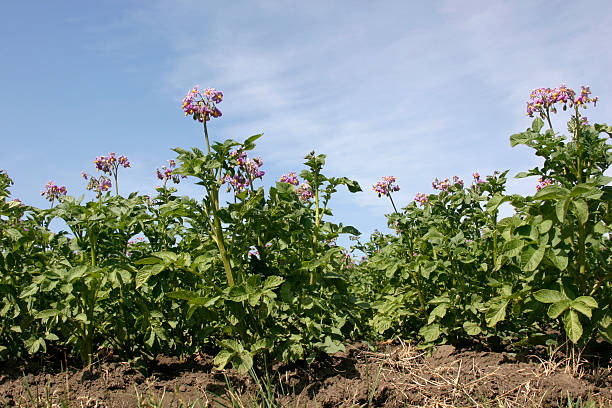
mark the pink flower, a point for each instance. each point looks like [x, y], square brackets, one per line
[304, 191]
[201, 105]
[385, 186]
[53, 191]
[290, 178]
[421, 199]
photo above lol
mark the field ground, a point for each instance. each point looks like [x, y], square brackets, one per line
[396, 375]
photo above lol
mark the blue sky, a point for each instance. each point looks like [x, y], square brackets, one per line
[412, 89]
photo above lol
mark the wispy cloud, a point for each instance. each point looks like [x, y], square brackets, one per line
[398, 88]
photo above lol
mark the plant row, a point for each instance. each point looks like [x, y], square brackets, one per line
[259, 278]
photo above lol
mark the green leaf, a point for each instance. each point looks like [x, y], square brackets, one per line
[439, 311]
[150, 260]
[495, 201]
[237, 294]
[521, 138]
[549, 296]
[249, 143]
[433, 236]
[222, 358]
[513, 248]
[331, 346]
[587, 300]
[545, 226]
[324, 259]
[561, 209]
[573, 328]
[166, 256]
[581, 189]
[537, 125]
[147, 272]
[13, 233]
[551, 192]
[45, 314]
[430, 332]
[558, 259]
[582, 308]
[496, 311]
[555, 309]
[531, 258]
[262, 344]
[580, 210]
[606, 333]
[82, 317]
[347, 229]
[604, 180]
[273, 282]
[472, 329]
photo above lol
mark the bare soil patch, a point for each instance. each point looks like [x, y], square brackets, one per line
[397, 375]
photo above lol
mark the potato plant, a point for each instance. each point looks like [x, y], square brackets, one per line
[254, 276]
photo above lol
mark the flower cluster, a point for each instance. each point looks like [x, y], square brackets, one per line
[165, 173]
[421, 199]
[238, 181]
[52, 191]
[349, 262]
[543, 100]
[136, 241]
[457, 180]
[247, 171]
[477, 181]
[304, 191]
[385, 186]
[441, 185]
[290, 178]
[109, 164]
[444, 185]
[134, 244]
[15, 202]
[202, 104]
[4, 177]
[543, 183]
[98, 185]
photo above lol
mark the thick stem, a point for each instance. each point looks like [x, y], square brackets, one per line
[419, 290]
[315, 238]
[218, 231]
[92, 247]
[494, 232]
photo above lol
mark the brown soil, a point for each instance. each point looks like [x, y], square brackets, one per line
[398, 376]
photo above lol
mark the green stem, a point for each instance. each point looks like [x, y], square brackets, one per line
[163, 219]
[218, 231]
[578, 159]
[92, 245]
[206, 136]
[419, 290]
[116, 183]
[494, 232]
[318, 216]
[548, 119]
[392, 203]
[316, 189]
